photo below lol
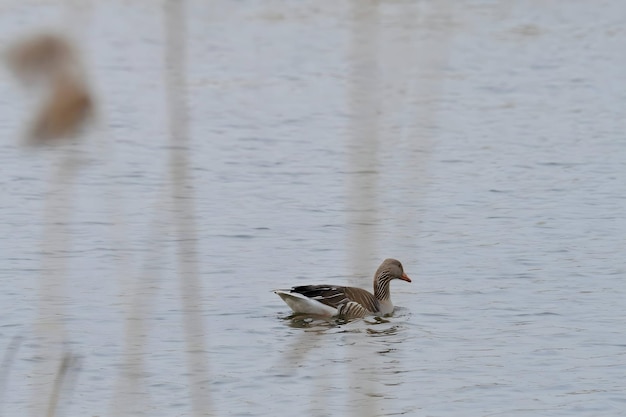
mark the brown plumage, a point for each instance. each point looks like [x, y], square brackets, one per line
[347, 301]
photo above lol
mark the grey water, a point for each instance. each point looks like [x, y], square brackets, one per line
[482, 143]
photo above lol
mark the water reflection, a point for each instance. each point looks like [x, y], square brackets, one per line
[374, 325]
[302, 321]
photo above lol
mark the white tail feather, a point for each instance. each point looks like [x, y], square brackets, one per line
[301, 304]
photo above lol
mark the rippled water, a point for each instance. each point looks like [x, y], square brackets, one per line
[481, 143]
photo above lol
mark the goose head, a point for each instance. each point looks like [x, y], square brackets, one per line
[391, 269]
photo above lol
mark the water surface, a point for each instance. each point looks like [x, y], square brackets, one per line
[481, 143]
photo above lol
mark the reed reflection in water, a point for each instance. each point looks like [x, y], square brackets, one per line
[387, 100]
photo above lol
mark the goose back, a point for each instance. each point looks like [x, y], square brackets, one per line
[336, 296]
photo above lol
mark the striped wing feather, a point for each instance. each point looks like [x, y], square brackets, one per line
[335, 296]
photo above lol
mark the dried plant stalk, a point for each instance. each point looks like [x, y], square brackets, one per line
[64, 113]
[51, 63]
[182, 199]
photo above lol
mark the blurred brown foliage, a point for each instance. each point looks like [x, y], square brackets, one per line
[50, 62]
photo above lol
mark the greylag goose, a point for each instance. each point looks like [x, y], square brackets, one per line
[333, 300]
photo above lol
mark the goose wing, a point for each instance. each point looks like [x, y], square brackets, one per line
[337, 297]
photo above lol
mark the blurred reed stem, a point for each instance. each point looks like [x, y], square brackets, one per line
[364, 96]
[7, 363]
[64, 382]
[183, 208]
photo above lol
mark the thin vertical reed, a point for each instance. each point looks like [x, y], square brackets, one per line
[65, 377]
[419, 63]
[7, 363]
[50, 62]
[364, 95]
[183, 205]
[50, 328]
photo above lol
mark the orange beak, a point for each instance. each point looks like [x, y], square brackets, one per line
[405, 277]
